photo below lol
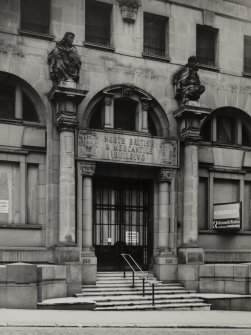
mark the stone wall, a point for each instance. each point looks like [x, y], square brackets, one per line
[24, 285]
[225, 278]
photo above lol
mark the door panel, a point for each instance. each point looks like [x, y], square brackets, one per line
[121, 222]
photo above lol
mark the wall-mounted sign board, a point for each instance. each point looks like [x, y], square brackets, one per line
[4, 206]
[132, 237]
[227, 217]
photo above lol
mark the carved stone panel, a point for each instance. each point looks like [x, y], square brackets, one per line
[108, 146]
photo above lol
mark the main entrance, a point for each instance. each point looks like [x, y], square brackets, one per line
[122, 222]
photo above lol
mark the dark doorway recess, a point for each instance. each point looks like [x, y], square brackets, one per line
[122, 222]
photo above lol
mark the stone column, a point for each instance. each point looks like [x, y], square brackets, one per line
[108, 113]
[190, 255]
[165, 263]
[191, 184]
[89, 261]
[65, 101]
[145, 110]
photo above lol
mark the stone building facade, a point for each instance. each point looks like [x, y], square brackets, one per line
[113, 163]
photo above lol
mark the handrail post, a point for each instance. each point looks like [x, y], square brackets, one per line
[124, 271]
[153, 294]
[133, 279]
[143, 287]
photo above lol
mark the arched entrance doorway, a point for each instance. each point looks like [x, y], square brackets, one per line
[125, 139]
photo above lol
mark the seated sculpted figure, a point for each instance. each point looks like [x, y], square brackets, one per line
[187, 82]
[64, 60]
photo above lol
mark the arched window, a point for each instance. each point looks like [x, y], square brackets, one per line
[15, 104]
[227, 125]
[126, 108]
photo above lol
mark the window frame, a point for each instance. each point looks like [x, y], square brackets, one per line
[246, 68]
[40, 34]
[200, 29]
[94, 6]
[163, 22]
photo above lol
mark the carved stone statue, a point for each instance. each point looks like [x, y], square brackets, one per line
[187, 82]
[64, 60]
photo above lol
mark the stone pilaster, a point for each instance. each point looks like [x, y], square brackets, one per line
[65, 101]
[108, 115]
[145, 110]
[190, 255]
[88, 259]
[165, 263]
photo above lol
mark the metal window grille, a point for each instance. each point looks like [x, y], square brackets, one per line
[247, 54]
[154, 34]
[121, 217]
[97, 18]
[205, 45]
[35, 15]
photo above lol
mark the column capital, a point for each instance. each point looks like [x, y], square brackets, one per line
[166, 176]
[189, 117]
[145, 104]
[65, 99]
[87, 169]
[108, 99]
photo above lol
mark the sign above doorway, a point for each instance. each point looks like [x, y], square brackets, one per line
[117, 147]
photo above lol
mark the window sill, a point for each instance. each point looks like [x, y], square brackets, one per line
[21, 226]
[157, 58]
[209, 67]
[246, 74]
[99, 47]
[22, 122]
[36, 35]
[239, 232]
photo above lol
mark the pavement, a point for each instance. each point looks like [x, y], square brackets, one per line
[144, 319]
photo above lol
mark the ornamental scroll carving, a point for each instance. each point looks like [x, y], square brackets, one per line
[87, 169]
[88, 144]
[168, 152]
[129, 9]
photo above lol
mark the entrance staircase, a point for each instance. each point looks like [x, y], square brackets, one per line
[114, 292]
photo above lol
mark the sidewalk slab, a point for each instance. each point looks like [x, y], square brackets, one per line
[146, 319]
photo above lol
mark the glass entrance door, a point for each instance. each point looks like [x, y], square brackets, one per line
[122, 211]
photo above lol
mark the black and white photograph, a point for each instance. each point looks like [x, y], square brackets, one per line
[125, 167]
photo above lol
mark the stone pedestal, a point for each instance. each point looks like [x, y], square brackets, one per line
[190, 256]
[65, 100]
[165, 262]
[88, 259]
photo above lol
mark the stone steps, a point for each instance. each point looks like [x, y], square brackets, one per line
[114, 292]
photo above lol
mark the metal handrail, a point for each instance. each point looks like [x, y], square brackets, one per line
[143, 275]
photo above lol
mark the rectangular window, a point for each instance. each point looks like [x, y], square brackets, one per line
[35, 16]
[226, 190]
[226, 130]
[247, 54]
[206, 39]
[246, 225]
[98, 22]
[155, 35]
